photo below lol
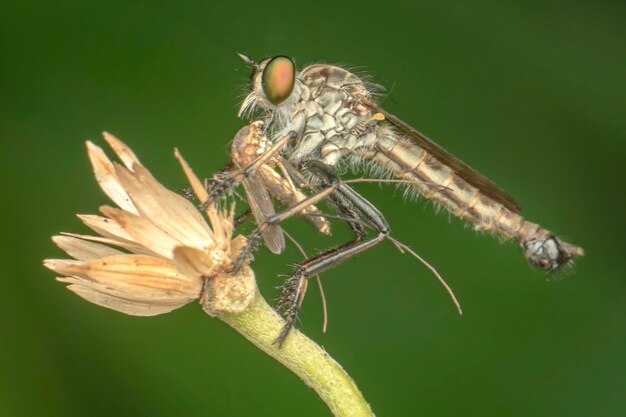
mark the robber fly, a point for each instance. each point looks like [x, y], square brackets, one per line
[332, 117]
[324, 116]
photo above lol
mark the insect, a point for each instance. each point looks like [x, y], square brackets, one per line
[263, 181]
[332, 117]
[324, 117]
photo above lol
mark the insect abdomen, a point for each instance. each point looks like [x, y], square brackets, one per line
[440, 184]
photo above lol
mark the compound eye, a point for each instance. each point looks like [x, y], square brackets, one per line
[279, 77]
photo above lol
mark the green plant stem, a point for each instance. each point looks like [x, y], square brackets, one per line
[260, 324]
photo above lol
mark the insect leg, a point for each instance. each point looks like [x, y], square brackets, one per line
[243, 217]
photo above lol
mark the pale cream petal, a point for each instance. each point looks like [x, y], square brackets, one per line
[69, 267]
[126, 155]
[83, 250]
[193, 262]
[92, 294]
[137, 277]
[74, 280]
[144, 277]
[195, 183]
[171, 212]
[201, 193]
[143, 231]
[131, 247]
[115, 292]
[105, 226]
[107, 179]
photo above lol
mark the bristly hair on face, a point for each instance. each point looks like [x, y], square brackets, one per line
[254, 102]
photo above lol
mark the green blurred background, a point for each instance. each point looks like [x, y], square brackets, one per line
[530, 93]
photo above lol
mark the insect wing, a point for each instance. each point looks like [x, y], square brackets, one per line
[473, 177]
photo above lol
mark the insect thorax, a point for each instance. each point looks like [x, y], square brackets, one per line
[326, 111]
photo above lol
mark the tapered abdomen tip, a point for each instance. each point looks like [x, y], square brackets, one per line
[551, 253]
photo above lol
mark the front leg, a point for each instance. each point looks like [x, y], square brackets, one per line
[221, 184]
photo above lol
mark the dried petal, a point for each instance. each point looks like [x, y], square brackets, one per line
[193, 262]
[201, 193]
[129, 246]
[169, 211]
[106, 227]
[97, 294]
[107, 178]
[138, 277]
[83, 250]
[126, 155]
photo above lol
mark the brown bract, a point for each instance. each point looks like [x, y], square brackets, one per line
[155, 251]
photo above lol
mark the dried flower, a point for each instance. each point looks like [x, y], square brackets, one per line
[155, 252]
